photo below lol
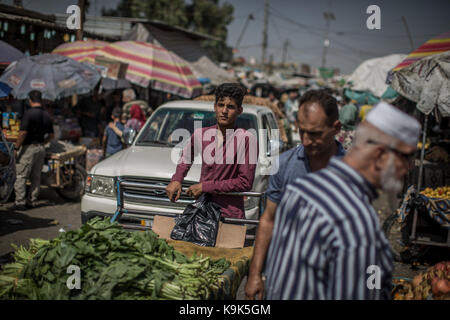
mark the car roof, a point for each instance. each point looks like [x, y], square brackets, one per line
[208, 106]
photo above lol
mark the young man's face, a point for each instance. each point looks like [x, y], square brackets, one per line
[227, 111]
[316, 134]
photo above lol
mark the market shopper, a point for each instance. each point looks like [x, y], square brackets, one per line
[112, 139]
[36, 130]
[219, 174]
[291, 107]
[348, 116]
[327, 241]
[137, 119]
[318, 122]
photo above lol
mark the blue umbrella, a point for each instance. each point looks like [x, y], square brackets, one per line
[54, 75]
[4, 90]
[8, 53]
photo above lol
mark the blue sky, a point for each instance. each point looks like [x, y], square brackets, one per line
[302, 22]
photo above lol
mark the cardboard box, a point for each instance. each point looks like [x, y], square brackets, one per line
[229, 236]
[114, 68]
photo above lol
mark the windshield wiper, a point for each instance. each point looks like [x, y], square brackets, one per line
[159, 142]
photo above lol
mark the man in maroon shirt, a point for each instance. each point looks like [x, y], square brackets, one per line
[222, 170]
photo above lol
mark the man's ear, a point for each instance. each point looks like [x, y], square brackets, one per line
[240, 110]
[337, 127]
[381, 157]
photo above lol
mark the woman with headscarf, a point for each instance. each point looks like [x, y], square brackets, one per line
[137, 118]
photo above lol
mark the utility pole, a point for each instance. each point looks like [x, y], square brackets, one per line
[266, 22]
[250, 17]
[81, 4]
[285, 48]
[326, 43]
[407, 31]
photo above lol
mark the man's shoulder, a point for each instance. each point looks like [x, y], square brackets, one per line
[289, 154]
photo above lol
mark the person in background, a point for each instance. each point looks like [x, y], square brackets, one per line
[36, 130]
[327, 236]
[348, 116]
[363, 111]
[112, 142]
[291, 107]
[137, 119]
[88, 111]
[318, 121]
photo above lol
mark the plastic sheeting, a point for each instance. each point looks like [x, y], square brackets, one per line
[371, 75]
[426, 82]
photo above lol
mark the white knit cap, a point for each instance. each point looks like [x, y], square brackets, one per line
[395, 123]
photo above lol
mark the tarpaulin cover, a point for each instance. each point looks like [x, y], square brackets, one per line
[370, 76]
[426, 82]
[438, 209]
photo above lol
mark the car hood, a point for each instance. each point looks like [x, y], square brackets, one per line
[145, 161]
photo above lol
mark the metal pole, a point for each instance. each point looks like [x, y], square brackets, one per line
[81, 4]
[422, 153]
[419, 183]
[266, 22]
[409, 33]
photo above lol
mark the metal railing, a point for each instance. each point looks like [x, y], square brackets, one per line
[122, 185]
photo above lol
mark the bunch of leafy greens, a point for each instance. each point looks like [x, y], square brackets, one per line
[114, 264]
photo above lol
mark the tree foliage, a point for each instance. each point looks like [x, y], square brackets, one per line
[203, 16]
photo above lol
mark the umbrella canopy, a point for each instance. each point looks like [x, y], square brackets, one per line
[81, 51]
[434, 46]
[54, 75]
[426, 82]
[4, 90]
[9, 54]
[151, 65]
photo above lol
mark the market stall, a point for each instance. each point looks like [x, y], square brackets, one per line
[423, 219]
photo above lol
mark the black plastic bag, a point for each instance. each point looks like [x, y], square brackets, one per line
[199, 223]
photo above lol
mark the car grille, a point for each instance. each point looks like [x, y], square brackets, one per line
[144, 194]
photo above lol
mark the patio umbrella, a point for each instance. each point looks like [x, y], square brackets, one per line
[54, 75]
[81, 51]
[434, 46]
[154, 66]
[4, 90]
[426, 82]
[9, 54]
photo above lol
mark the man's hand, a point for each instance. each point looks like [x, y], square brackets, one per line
[254, 287]
[173, 191]
[195, 190]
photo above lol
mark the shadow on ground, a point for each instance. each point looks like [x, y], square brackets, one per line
[12, 221]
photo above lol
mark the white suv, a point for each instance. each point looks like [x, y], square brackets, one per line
[148, 162]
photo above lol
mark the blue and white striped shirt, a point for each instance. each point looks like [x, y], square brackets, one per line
[326, 235]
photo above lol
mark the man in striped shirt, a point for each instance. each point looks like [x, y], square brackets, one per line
[327, 242]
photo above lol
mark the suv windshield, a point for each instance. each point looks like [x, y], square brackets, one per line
[165, 121]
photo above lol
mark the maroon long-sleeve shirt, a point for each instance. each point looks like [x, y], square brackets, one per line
[226, 167]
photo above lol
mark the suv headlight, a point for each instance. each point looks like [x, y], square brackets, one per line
[101, 186]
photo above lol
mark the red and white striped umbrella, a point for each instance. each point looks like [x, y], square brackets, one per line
[154, 66]
[81, 51]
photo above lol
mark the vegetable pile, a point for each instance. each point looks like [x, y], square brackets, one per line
[433, 284]
[114, 264]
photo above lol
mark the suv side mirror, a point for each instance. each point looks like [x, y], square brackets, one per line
[128, 135]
